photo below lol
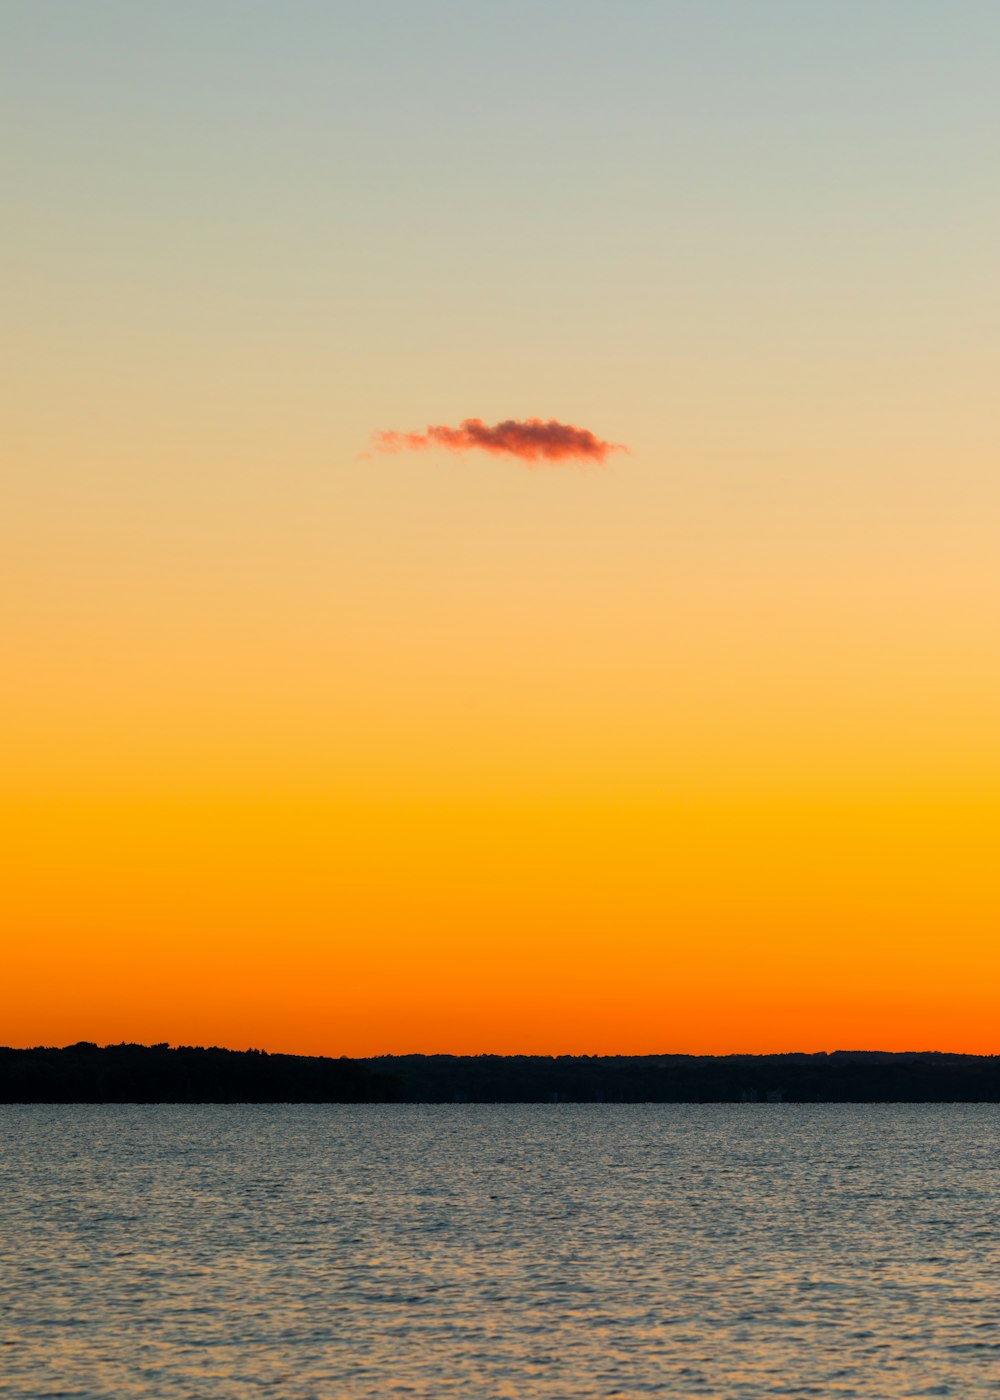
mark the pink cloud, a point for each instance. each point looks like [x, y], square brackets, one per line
[527, 439]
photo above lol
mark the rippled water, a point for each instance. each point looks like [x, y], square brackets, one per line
[529, 1251]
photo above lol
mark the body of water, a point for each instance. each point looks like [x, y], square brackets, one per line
[567, 1251]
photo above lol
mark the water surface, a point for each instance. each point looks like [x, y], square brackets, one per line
[525, 1251]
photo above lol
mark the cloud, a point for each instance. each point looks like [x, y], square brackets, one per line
[527, 439]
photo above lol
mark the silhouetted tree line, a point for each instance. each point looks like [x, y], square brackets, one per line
[87, 1073]
[844, 1076]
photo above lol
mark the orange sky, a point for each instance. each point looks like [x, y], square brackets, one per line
[307, 749]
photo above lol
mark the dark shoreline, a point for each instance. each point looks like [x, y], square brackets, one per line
[87, 1073]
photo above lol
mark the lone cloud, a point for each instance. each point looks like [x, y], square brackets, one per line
[528, 439]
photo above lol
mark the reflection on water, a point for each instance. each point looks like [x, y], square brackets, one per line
[526, 1251]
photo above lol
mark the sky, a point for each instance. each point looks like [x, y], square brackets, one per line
[317, 747]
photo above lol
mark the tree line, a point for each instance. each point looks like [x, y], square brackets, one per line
[88, 1073]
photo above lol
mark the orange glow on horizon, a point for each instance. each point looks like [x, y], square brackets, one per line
[303, 925]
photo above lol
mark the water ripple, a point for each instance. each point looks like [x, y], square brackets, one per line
[331, 1252]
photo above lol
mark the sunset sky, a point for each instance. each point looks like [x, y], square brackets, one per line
[313, 746]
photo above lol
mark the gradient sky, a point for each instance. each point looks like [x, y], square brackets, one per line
[315, 750]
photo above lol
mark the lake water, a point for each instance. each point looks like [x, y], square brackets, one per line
[475, 1251]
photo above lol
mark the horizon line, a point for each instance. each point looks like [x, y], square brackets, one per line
[506, 1055]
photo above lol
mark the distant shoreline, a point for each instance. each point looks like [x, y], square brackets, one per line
[87, 1073]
